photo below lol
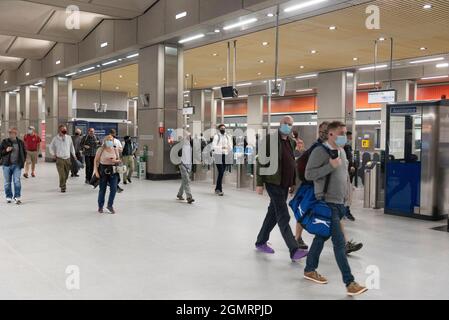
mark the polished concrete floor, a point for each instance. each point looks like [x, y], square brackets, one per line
[158, 248]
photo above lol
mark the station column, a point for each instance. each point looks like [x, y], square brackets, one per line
[160, 106]
[4, 104]
[254, 117]
[337, 97]
[58, 103]
[23, 117]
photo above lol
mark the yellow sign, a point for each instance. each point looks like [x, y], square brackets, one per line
[365, 144]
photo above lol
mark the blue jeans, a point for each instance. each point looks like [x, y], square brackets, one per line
[277, 214]
[12, 174]
[338, 240]
[112, 180]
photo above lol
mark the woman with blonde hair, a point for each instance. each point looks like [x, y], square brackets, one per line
[105, 164]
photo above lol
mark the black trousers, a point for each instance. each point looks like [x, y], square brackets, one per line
[89, 160]
[277, 214]
[221, 168]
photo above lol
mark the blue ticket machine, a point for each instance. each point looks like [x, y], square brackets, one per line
[417, 159]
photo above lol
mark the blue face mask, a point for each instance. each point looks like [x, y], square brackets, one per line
[341, 141]
[109, 144]
[285, 129]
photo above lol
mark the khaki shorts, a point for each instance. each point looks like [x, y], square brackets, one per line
[32, 157]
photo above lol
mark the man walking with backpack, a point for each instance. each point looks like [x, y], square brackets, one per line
[330, 177]
[277, 186]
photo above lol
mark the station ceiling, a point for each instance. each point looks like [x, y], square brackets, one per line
[416, 32]
[29, 29]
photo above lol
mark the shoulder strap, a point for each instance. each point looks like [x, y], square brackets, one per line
[328, 177]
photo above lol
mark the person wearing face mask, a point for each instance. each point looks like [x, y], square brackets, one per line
[61, 148]
[106, 159]
[330, 173]
[76, 139]
[222, 148]
[32, 145]
[89, 145]
[277, 186]
[119, 147]
[13, 155]
[185, 168]
[128, 156]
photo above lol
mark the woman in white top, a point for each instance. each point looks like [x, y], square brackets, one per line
[105, 161]
[222, 147]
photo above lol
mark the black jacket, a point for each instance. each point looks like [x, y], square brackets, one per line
[6, 156]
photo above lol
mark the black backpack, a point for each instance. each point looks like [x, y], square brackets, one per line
[301, 163]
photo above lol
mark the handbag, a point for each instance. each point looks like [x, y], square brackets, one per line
[94, 181]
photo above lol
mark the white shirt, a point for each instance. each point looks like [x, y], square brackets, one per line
[186, 157]
[62, 147]
[118, 145]
[222, 144]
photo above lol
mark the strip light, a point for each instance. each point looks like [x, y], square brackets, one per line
[109, 62]
[104, 44]
[132, 56]
[181, 15]
[198, 36]
[437, 77]
[307, 76]
[426, 60]
[381, 66]
[70, 74]
[240, 24]
[87, 69]
[303, 5]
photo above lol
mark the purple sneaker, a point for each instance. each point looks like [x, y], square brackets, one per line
[299, 254]
[265, 248]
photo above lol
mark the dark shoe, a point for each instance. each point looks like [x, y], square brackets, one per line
[63, 190]
[77, 175]
[190, 200]
[100, 210]
[349, 216]
[353, 246]
[301, 244]
[180, 197]
[25, 175]
[119, 190]
[33, 175]
[111, 210]
[129, 180]
[125, 182]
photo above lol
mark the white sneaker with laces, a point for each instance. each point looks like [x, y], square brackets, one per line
[17, 201]
[8, 200]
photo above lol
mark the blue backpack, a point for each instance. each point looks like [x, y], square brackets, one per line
[314, 215]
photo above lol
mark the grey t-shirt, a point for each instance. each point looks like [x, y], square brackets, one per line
[14, 158]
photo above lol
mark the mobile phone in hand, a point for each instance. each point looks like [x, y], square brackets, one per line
[334, 154]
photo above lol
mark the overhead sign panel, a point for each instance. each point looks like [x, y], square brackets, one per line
[382, 96]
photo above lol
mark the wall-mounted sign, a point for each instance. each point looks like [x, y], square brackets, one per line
[403, 110]
[188, 110]
[366, 144]
[382, 96]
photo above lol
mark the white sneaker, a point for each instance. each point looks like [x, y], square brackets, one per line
[8, 200]
[17, 201]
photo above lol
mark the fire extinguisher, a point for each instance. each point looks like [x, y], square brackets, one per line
[161, 130]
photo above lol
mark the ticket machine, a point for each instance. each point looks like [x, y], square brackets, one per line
[417, 159]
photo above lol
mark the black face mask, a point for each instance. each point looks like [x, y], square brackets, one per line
[77, 134]
[222, 131]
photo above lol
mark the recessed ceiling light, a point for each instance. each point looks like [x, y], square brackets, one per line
[303, 5]
[443, 65]
[259, 73]
[313, 51]
[117, 88]
[240, 24]
[198, 36]
[332, 28]
[301, 67]
[427, 60]
[265, 43]
[58, 61]
[224, 79]
[270, 15]
[99, 80]
[355, 59]
[423, 48]
[262, 61]
[215, 54]
[5, 82]
[104, 44]
[381, 39]
[27, 74]
[181, 15]
[217, 30]
[427, 6]
[82, 85]
[187, 75]
[120, 76]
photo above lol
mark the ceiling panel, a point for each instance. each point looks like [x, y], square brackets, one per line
[124, 79]
[5, 42]
[24, 17]
[56, 26]
[9, 63]
[30, 48]
[406, 21]
[138, 5]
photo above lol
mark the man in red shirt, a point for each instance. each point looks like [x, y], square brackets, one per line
[32, 146]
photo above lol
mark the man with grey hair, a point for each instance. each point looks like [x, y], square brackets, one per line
[185, 167]
[32, 145]
[277, 186]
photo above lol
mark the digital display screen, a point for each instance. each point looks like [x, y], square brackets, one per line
[382, 96]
